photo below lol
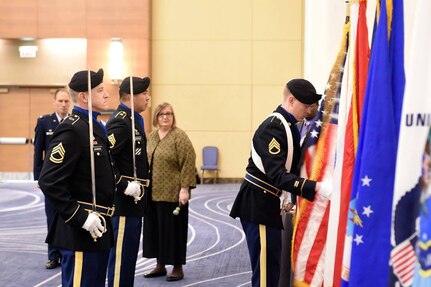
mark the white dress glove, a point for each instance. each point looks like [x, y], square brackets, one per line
[93, 225]
[133, 189]
[325, 189]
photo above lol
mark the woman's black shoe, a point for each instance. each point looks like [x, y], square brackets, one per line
[174, 278]
[155, 274]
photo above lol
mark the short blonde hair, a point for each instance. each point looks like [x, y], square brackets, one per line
[157, 111]
[73, 95]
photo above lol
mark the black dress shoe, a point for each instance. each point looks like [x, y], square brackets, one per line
[155, 274]
[174, 278]
[51, 264]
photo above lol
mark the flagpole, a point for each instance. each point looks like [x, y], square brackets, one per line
[132, 107]
[347, 11]
[90, 136]
[92, 165]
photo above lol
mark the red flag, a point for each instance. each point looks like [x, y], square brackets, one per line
[351, 137]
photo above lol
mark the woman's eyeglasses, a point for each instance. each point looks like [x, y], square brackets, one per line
[168, 115]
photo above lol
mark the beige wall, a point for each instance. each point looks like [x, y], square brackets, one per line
[29, 104]
[223, 65]
[56, 61]
[95, 21]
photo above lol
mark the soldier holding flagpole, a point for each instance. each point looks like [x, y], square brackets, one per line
[78, 179]
[271, 171]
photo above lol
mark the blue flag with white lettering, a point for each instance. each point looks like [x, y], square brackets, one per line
[374, 173]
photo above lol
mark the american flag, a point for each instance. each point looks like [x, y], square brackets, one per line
[403, 258]
[311, 220]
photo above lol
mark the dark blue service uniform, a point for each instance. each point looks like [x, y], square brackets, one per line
[258, 204]
[127, 221]
[66, 182]
[43, 132]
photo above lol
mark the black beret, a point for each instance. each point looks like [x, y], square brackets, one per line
[79, 81]
[139, 85]
[303, 91]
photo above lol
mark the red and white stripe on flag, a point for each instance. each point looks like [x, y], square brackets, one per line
[311, 222]
[403, 258]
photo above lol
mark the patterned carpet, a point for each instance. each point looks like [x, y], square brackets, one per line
[216, 255]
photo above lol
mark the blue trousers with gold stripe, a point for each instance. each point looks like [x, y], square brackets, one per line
[264, 247]
[123, 255]
[53, 252]
[81, 268]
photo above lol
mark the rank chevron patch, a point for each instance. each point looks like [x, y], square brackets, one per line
[57, 154]
[274, 147]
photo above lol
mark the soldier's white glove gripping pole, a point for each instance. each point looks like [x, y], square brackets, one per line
[324, 188]
[95, 224]
[133, 189]
[137, 195]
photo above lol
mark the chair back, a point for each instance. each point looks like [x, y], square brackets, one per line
[210, 157]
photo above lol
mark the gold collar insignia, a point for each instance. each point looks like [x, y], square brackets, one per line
[121, 114]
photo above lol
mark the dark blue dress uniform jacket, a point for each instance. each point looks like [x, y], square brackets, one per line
[119, 135]
[43, 132]
[252, 203]
[66, 179]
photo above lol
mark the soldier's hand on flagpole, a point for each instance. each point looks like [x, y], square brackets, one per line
[94, 225]
[324, 188]
[133, 189]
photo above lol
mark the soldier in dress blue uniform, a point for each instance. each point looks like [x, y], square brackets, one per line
[286, 235]
[129, 204]
[272, 169]
[81, 230]
[43, 131]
